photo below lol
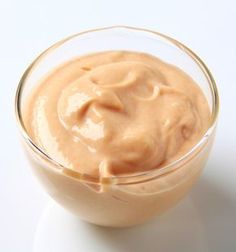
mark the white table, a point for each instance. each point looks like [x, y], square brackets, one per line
[206, 219]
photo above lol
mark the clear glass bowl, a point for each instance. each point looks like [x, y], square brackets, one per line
[119, 201]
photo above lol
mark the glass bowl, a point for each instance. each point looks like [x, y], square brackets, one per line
[119, 201]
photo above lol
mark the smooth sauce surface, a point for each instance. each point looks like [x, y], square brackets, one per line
[116, 112]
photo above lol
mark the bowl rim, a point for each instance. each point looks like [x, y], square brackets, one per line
[130, 178]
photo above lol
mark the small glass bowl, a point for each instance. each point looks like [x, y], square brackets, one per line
[119, 201]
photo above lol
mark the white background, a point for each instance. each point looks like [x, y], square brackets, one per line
[206, 219]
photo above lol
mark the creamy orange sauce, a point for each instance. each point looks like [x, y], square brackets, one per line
[116, 112]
